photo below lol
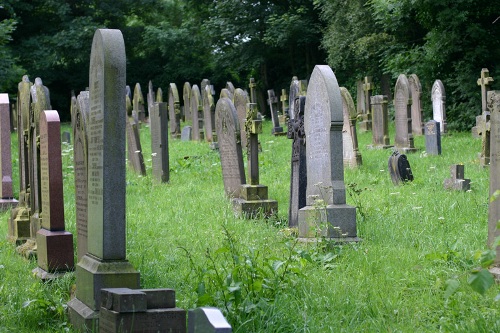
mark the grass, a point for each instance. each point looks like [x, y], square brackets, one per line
[184, 235]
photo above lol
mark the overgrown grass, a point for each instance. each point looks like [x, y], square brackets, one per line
[184, 235]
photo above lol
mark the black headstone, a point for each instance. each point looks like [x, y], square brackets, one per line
[399, 168]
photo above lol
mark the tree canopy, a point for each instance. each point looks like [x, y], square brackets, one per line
[270, 40]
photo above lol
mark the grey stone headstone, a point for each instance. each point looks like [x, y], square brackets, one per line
[138, 103]
[399, 169]
[159, 142]
[360, 98]
[457, 181]
[402, 116]
[351, 154]
[174, 111]
[380, 122]
[186, 134]
[416, 106]
[196, 113]
[207, 320]
[186, 98]
[292, 95]
[134, 147]
[493, 104]
[208, 114]
[438, 97]
[240, 103]
[432, 138]
[231, 157]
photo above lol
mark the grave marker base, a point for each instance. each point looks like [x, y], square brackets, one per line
[19, 225]
[6, 204]
[55, 252]
[406, 150]
[277, 131]
[336, 222]
[253, 202]
[82, 317]
[379, 146]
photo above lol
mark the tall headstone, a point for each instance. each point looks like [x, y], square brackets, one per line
[231, 156]
[402, 114]
[207, 320]
[416, 106]
[80, 160]
[105, 264]
[150, 97]
[197, 114]
[6, 193]
[186, 98]
[159, 142]
[432, 138]
[174, 111]
[138, 103]
[159, 96]
[19, 221]
[360, 98]
[326, 213]
[209, 114]
[352, 156]
[273, 106]
[493, 104]
[438, 97]
[240, 100]
[298, 174]
[54, 243]
[292, 96]
[366, 124]
[380, 123]
[457, 182]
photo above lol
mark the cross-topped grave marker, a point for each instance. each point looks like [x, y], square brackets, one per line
[366, 123]
[484, 81]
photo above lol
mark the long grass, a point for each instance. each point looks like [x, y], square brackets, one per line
[414, 238]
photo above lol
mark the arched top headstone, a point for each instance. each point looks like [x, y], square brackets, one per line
[24, 101]
[226, 93]
[159, 95]
[241, 100]
[172, 93]
[438, 90]
[186, 93]
[402, 90]
[349, 103]
[230, 87]
[195, 97]
[208, 109]
[138, 96]
[415, 85]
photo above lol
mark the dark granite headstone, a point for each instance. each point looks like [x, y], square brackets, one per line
[196, 114]
[186, 134]
[174, 111]
[186, 99]
[399, 168]
[352, 156]
[105, 264]
[54, 244]
[402, 114]
[438, 97]
[298, 175]
[380, 123]
[323, 122]
[416, 107]
[432, 138]
[207, 320]
[159, 142]
[456, 181]
[231, 156]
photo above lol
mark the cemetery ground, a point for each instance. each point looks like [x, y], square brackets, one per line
[417, 240]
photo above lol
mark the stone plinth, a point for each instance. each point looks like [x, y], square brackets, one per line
[336, 222]
[253, 201]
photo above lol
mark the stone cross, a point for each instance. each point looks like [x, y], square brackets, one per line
[105, 264]
[298, 176]
[493, 104]
[253, 93]
[174, 111]
[456, 181]
[326, 208]
[273, 105]
[484, 81]
[366, 124]
[159, 142]
[54, 244]
[253, 127]
[186, 98]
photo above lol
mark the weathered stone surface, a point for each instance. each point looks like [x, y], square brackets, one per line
[174, 111]
[209, 114]
[135, 157]
[323, 121]
[187, 133]
[493, 105]
[228, 134]
[207, 320]
[196, 114]
[159, 96]
[456, 181]
[402, 114]
[273, 106]
[241, 100]
[416, 106]
[399, 169]
[351, 155]
[159, 143]
[138, 103]
[186, 98]
[292, 96]
[432, 138]
[380, 123]
[6, 191]
[438, 97]
[366, 123]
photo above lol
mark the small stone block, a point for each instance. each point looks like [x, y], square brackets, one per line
[255, 208]
[253, 192]
[334, 221]
[158, 320]
[123, 300]
[19, 228]
[160, 298]
[55, 250]
[207, 320]
[80, 315]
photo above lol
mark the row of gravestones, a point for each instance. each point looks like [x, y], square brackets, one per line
[107, 295]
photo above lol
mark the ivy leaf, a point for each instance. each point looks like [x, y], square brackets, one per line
[481, 281]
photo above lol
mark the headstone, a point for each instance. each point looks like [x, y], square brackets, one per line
[366, 124]
[273, 106]
[6, 193]
[159, 142]
[105, 264]
[438, 97]
[351, 154]
[66, 137]
[432, 138]
[380, 123]
[187, 133]
[360, 98]
[493, 104]
[416, 107]
[54, 243]
[186, 98]
[197, 114]
[127, 310]
[13, 117]
[231, 156]
[230, 88]
[399, 168]
[240, 103]
[207, 320]
[174, 111]
[159, 96]
[225, 93]
[293, 95]
[135, 157]
[456, 181]
[402, 114]
[150, 98]
[80, 159]
[481, 121]
[326, 208]
[19, 221]
[209, 115]
[138, 103]
[298, 175]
